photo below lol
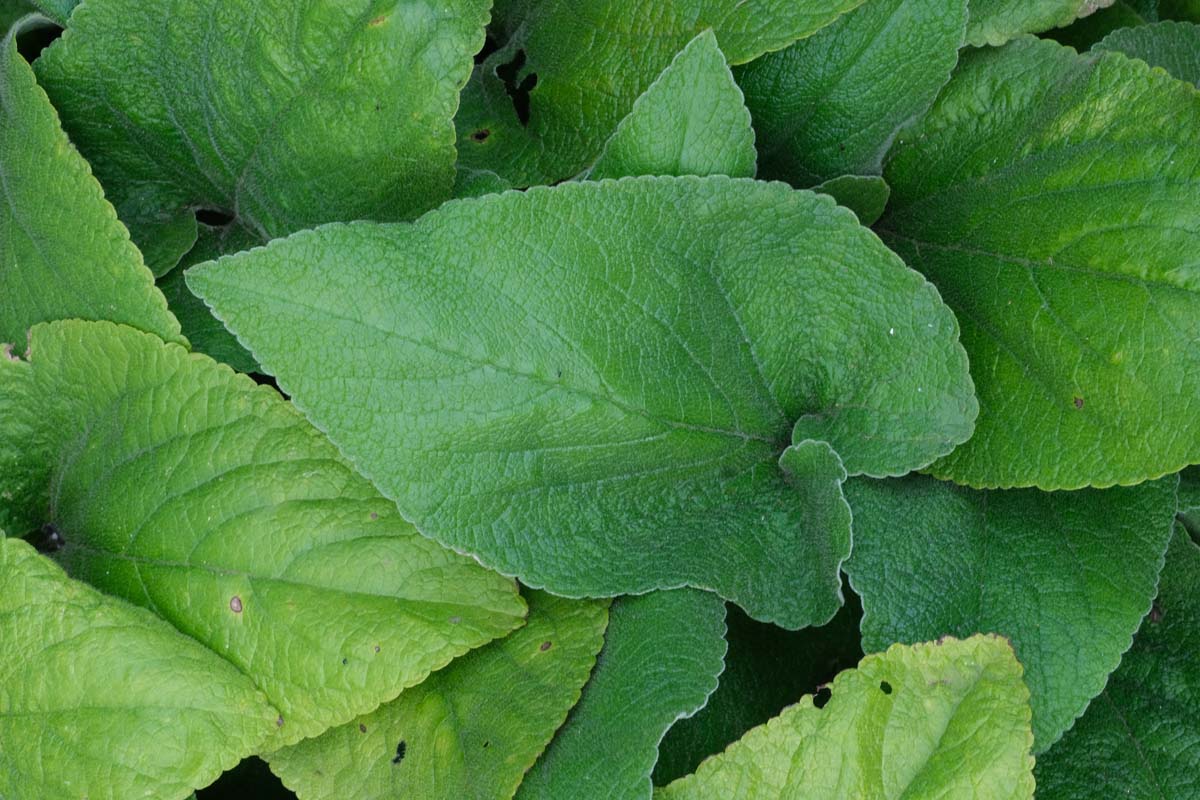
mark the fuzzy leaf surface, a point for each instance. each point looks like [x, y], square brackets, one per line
[995, 22]
[1174, 46]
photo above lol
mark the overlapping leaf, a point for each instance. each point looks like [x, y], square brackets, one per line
[997, 21]
[830, 104]
[662, 654]
[185, 488]
[1054, 199]
[101, 699]
[1066, 576]
[1174, 46]
[468, 732]
[1141, 736]
[63, 253]
[576, 67]
[280, 114]
[600, 381]
[949, 719]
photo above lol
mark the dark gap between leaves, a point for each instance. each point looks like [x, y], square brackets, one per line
[32, 40]
[213, 217]
[518, 91]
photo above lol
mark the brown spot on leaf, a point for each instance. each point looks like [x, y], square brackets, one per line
[362, 728]
[375, 23]
[1156, 614]
[279, 721]
[1078, 402]
[481, 135]
[545, 646]
[235, 604]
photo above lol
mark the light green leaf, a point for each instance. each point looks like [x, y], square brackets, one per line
[101, 699]
[1141, 736]
[183, 487]
[865, 195]
[766, 669]
[599, 405]
[63, 253]
[662, 654]
[468, 732]
[583, 63]
[691, 121]
[949, 719]
[1066, 576]
[1055, 201]
[1174, 46]
[205, 332]
[282, 114]
[994, 22]
[830, 104]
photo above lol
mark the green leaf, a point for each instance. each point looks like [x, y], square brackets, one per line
[1189, 501]
[205, 332]
[865, 195]
[1141, 736]
[183, 487]
[766, 670]
[995, 22]
[1066, 576]
[1181, 10]
[1054, 199]
[662, 654]
[949, 719]
[572, 60]
[63, 253]
[103, 699]
[1174, 46]
[600, 405]
[691, 121]
[281, 114]
[57, 10]
[830, 104]
[470, 731]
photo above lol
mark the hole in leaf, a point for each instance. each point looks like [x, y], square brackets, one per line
[362, 728]
[518, 90]
[213, 217]
[546, 646]
[235, 604]
[49, 539]
[480, 135]
[822, 697]
[885, 687]
[401, 750]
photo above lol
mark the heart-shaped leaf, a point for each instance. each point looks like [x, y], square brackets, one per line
[1054, 199]
[102, 699]
[174, 483]
[468, 732]
[949, 719]
[1066, 576]
[63, 254]
[599, 382]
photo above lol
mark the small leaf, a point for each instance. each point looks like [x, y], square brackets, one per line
[468, 732]
[949, 719]
[1054, 199]
[995, 22]
[103, 699]
[277, 114]
[180, 486]
[563, 77]
[661, 658]
[598, 380]
[63, 254]
[830, 104]
[1141, 736]
[865, 195]
[691, 121]
[1066, 576]
[1173, 46]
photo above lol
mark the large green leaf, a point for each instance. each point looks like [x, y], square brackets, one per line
[1066, 576]
[662, 654]
[691, 121]
[183, 487]
[582, 63]
[1141, 736]
[1174, 46]
[101, 699]
[600, 381]
[468, 732]
[281, 113]
[1054, 199]
[766, 670]
[996, 21]
[949, 719]
[830, 104]
[63, 253]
